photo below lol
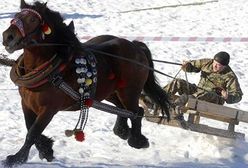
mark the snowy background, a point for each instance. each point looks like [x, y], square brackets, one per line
[169, 146]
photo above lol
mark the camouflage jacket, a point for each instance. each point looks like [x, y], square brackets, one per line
[212, 81]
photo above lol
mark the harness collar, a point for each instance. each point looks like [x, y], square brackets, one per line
[39, 76]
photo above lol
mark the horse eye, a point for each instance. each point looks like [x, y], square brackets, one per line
[32, 19]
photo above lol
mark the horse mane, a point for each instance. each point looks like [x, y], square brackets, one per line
[61, 33]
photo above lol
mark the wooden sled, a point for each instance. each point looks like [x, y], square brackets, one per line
[197, 109]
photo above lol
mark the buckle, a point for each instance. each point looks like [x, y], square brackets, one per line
[56, 80]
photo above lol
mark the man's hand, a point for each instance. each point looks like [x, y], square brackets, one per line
[224, 94]
[186, 66]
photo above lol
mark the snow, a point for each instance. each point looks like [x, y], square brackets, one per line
[169, 146]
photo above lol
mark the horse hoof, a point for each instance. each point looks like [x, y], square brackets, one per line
[122, 132]
[138, 142]
[49, 158]
[12, 160]
[44, 146]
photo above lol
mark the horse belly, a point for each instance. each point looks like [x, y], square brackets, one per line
[49, 98]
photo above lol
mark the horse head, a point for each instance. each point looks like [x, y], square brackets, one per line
[37, 24]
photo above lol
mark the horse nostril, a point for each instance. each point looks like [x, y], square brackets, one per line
[10, 37]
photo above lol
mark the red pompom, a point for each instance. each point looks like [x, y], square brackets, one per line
[121, 83]
[79, 136]
[88, 102]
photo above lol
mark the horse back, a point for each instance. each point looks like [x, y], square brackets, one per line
[119, 65]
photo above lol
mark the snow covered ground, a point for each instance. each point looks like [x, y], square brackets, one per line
[169, 146]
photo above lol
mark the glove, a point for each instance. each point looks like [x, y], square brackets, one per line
[187, 66]
[204, 74]
[218, 90]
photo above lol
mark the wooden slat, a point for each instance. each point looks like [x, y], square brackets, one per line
[242, 116]
[215, 131]
[217, 110]
[194, 118]
[223, 119]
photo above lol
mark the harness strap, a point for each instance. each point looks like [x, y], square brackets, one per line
[114, 110]
[57, 81]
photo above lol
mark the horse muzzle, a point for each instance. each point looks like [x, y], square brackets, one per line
[12, 39]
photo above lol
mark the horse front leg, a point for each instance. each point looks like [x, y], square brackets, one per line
[43, 144]
[33, 135]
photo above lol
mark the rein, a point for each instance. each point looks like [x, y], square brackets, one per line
[145, 66]
[6, 61]
[167, 62]
[130, 60]
[9, 62]
[111, 55]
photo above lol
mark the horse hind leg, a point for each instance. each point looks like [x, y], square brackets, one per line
[121, 127]
[137, 140]
[130, 99]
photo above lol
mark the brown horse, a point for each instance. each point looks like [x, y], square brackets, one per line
[50, 49]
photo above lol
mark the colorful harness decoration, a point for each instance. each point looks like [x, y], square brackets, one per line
[87, 78]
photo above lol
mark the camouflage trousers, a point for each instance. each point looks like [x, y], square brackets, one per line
[181, 86]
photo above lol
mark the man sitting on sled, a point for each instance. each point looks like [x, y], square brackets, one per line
[218, 83]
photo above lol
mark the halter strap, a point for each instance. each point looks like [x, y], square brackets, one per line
[19, 24]
[32, 11]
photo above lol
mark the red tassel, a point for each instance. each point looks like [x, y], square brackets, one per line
[88, 102]
[121, 84]
[79, 136]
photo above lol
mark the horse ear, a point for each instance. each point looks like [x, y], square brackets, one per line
[44, 7]
[71, 27]
[23, 4]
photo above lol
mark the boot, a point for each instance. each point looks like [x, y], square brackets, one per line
[177, 113]
[182, 100]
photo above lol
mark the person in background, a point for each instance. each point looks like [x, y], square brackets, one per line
[218, 83]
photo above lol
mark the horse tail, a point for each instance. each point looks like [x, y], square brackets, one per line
[152, 89]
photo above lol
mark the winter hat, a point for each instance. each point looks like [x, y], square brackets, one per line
[222, 57]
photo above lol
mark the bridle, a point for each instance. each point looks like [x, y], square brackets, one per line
[17, 21]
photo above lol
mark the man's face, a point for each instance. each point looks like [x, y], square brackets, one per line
[217, 67]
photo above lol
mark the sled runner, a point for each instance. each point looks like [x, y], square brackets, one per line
[197, 110]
